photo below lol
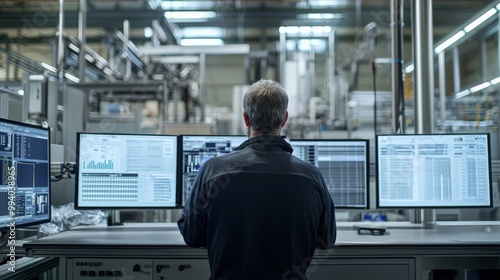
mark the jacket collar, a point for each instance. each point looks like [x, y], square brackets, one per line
[266, 142]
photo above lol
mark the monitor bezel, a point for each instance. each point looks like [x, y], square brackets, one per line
[367, 166]
[377, 183]
[77, 172]
[49, 211]
[181, 158]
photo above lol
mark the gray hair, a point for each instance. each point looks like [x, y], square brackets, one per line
[266, 103]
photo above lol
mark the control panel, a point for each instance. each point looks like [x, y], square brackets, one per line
[154, 269]
[96, 268]
[166, 269]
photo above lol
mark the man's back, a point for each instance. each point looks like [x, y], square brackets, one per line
[263, 210]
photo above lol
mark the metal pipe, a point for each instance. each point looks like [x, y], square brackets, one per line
[203, 88]
[282, 57]
[128, 62]
[60, 45]
[456, 70]
[82, 26]
[442, 88]
[397, 64]
[484, 61]
[330, 72]
[423, 55]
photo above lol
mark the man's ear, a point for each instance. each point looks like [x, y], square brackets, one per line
[284, 119]
[247, 119]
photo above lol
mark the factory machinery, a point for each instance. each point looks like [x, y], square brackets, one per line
[162, 89]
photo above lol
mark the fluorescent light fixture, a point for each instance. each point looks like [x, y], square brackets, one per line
[290, 29]
[480, 87]
[321, 16]
[450, 41]
[71, 78]
[321, 29]
[153, 4]
[498, 7]
[186, 5]
[462, 93]
[409, 68]
[89, 58]
[108, 71]
[317, 45]
[190, 16]
[148, 32]
[74, 48]
[202, 42]
[305, 29]
[327, 3]
[48, 67]
[496, 80]
[294, 30]
[99, 65]
[20, 92]
[480, 19]
[203, 32]
[290, 45]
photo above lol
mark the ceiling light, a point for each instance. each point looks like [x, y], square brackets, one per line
[74, 48]
[305, 29]
[316, 45]
[294, 30]
[148, 32]
[190, 16]
[89, 58]
[321, 29]
[203, 32]
[320, 16]
[409, 68]
[449, 42]
[462, 93]
[496, 80]
[202, 42]
[71, 78]
[480, 87]
[48, 67]
[480, 20]
[186, 5]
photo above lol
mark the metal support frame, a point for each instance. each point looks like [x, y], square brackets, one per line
[397, 65]
[423, 53]
[82, 27]
[442, 88]
[456, 70]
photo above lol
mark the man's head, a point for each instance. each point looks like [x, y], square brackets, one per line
[265, 108]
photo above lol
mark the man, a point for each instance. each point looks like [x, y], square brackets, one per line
[259, 210]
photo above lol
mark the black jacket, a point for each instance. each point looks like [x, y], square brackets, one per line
[259, 211]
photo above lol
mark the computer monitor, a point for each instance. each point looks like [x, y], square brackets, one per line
[24, 174]
[119, 171]
[344, 163]
[196, 149]
[433, 171]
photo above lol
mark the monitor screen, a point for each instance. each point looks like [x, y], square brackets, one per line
[126, 171]
[24, 174]
[433, 171]
[344, 163]
[196, 149]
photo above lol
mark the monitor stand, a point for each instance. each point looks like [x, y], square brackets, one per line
[110, 220]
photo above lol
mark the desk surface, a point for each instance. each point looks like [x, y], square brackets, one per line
[153, 240]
